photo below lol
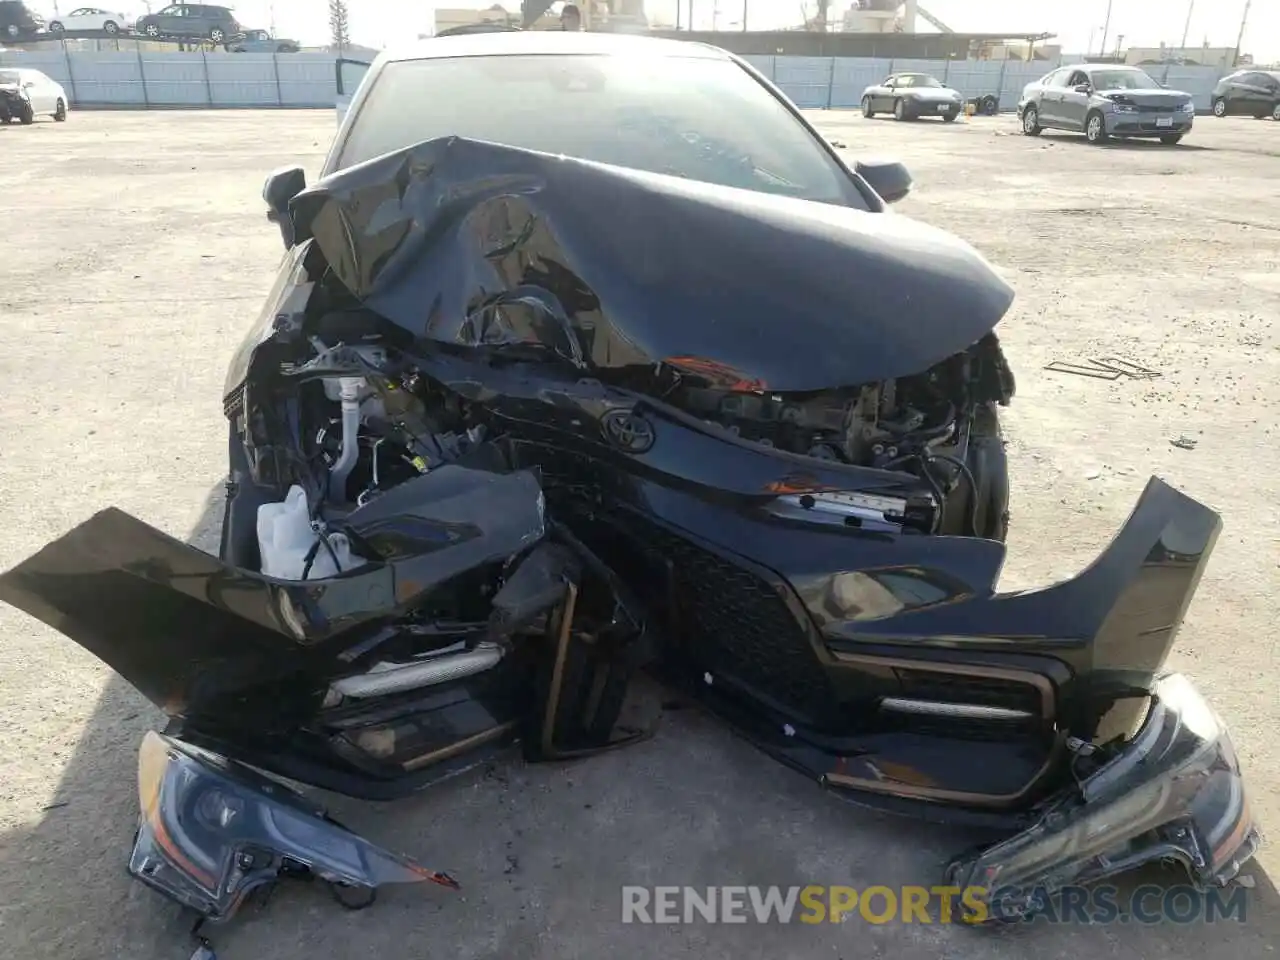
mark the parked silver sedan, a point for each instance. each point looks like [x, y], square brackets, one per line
[909, 96]
[1102, 101]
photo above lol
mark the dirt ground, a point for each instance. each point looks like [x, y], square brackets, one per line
[133, 252]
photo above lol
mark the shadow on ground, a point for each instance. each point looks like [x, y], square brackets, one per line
[543, 852]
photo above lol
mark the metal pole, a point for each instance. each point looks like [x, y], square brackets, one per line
[66, 55]
[1182, 51]
[142, 75]
[1244, 18]
[1106, 25]
[831, 82]
[744, 15]
[275, 68]
[208, 87]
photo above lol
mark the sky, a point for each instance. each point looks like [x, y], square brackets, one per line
[1078, 23]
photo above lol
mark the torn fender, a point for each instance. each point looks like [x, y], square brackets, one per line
[212, 830]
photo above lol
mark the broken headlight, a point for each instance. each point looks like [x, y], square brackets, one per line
[211, 831]
[1173, 792]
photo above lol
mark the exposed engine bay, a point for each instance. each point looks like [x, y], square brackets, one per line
[366, 418]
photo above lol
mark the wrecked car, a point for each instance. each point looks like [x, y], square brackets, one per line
[513, 426]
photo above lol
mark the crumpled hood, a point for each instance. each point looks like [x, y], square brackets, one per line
[479, 245]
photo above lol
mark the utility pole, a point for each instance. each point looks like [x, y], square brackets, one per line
[1244, 18]
[744, 15]
[1182, 50]
[1106, 25]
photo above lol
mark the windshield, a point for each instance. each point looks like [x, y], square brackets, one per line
[9, 76]
[1122, 80]
[918, 80]
[692, 117]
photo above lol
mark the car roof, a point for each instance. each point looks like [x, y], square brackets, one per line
[545, 42]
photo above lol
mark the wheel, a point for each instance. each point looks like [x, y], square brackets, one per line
[1171, 139]
[866, 108]
[27, 116]
[1095, 128]
[899, 110]
[60, 114]
[1275, 112]
[950, 117]
[216, 35]
[1031, 121]
[152, 30]
[1219, 107]
[57, 28]
[111, 28]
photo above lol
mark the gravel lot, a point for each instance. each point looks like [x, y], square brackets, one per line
[135, 251]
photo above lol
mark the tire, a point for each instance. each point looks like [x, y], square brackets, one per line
[111, 28]
[1219, 107]
[900, 110]
[866, 108]
[950, 117]
[60, 114]
[1095, 128]
[1031, 121]
[1171, 139]
[57, 29]
[1275, 112]
[217, 35]
[28, 116]
[152, 30]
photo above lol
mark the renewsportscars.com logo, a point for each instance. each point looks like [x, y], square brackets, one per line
[814, 904]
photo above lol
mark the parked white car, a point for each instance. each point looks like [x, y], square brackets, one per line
[92, 20]
[26, 94]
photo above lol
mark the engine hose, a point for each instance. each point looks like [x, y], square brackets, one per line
[973, 487]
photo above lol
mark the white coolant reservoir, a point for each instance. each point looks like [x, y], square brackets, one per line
[286, 538]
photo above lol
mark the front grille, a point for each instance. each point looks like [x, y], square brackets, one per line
[738, 624]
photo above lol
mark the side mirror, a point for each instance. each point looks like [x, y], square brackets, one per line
[889, 178]
[1082, 88]
[281, 186]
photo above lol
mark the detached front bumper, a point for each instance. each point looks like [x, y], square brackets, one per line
[212, 831]
[1174, 792]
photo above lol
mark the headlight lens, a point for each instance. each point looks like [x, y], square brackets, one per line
[1188, 107]
[1174, 791]
[211, 831]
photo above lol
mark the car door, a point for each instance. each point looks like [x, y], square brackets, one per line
[169, 19]
[882, 95]
[78, 19]
[40, 90]
[1050, 100]
[1073, 105]
[1259, 94]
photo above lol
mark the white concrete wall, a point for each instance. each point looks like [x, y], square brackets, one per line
[172, 79]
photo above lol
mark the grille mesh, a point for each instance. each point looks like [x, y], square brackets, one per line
[739, 623]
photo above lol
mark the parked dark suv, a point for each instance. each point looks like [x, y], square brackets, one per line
[17, 22]
[1249, 93]
[195, 21]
